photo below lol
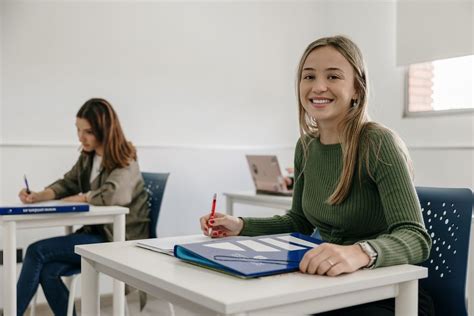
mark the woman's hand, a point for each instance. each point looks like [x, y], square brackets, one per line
[26, 198]
[34, 197]
[221, 225]
[332, 260]
[80, 198]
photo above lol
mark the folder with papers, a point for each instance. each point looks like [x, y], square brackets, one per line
[249, 257]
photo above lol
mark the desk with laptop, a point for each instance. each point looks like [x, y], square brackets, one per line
[258, 198]
[270, 189]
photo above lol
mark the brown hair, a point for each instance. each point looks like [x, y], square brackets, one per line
[107, 129]
[353, 124]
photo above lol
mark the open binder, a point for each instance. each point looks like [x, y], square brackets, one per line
[249, 257]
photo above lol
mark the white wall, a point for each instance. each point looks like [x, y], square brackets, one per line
[197, 85]
[189, 68]
[190, 81]
[1, 92]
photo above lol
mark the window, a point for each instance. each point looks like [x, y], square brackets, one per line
[441, 86]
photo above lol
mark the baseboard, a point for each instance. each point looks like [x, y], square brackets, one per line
[106, 300]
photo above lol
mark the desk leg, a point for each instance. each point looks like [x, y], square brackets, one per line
[406, 303]
[229, 205]
[119, 287]
[90, 301]
[9, 268]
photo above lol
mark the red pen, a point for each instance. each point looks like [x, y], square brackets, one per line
[213, 211]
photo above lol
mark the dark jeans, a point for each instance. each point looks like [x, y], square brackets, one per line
[385, 307]
[46, 261]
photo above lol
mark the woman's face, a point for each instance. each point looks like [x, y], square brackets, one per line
[327, 86]
[86, 137]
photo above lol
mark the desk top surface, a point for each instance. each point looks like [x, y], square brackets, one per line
[224, 292]
[258, 197]
[252, 196]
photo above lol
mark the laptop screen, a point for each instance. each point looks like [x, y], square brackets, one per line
[266, 174]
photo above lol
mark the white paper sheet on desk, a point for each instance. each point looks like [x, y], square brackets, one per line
[166, 245]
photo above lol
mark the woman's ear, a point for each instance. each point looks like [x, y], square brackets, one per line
[355, 96]
[355, 99]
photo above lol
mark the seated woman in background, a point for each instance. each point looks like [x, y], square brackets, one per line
[352, 179]
[106, 173]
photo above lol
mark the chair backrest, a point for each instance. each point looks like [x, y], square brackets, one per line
[447, 213]
[155, 184]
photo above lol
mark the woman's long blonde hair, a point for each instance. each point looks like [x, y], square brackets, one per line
[353, 124]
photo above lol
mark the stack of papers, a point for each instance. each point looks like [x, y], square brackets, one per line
[166, 245]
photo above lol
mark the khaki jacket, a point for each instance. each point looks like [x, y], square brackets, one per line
[122, 186]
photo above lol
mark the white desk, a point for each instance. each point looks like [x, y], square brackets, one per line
[251, 198]
[96, 215]
[284, 203]
[208, 292]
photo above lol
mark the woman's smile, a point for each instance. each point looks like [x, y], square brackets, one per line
[319, 102]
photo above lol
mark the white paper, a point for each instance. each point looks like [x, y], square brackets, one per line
[257, 246]
[281, 244]
[224, 245]
[166, 245]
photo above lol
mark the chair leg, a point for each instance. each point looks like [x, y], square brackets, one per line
[72, 294]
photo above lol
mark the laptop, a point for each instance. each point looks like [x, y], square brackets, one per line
[266, 175]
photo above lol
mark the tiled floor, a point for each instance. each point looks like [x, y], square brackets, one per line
[153, 307]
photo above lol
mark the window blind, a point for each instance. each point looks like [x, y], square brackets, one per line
[430, 30]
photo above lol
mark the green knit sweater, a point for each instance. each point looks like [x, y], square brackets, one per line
[382, 209]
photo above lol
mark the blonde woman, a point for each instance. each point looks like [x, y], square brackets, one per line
[353, 179]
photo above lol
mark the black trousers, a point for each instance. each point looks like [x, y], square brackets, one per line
[385, 307]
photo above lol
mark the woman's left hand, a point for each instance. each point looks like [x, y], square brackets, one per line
[80, 198]
[332, 260]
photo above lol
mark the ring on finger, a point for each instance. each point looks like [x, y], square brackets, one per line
[330, 262]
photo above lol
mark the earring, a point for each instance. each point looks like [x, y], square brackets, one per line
[354, 103]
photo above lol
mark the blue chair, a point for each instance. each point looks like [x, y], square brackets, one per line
[155, 184]
[447, 214]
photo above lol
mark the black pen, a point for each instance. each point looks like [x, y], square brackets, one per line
[27, 186]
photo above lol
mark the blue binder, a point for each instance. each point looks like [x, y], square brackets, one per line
[249, 257]
[46, 207]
